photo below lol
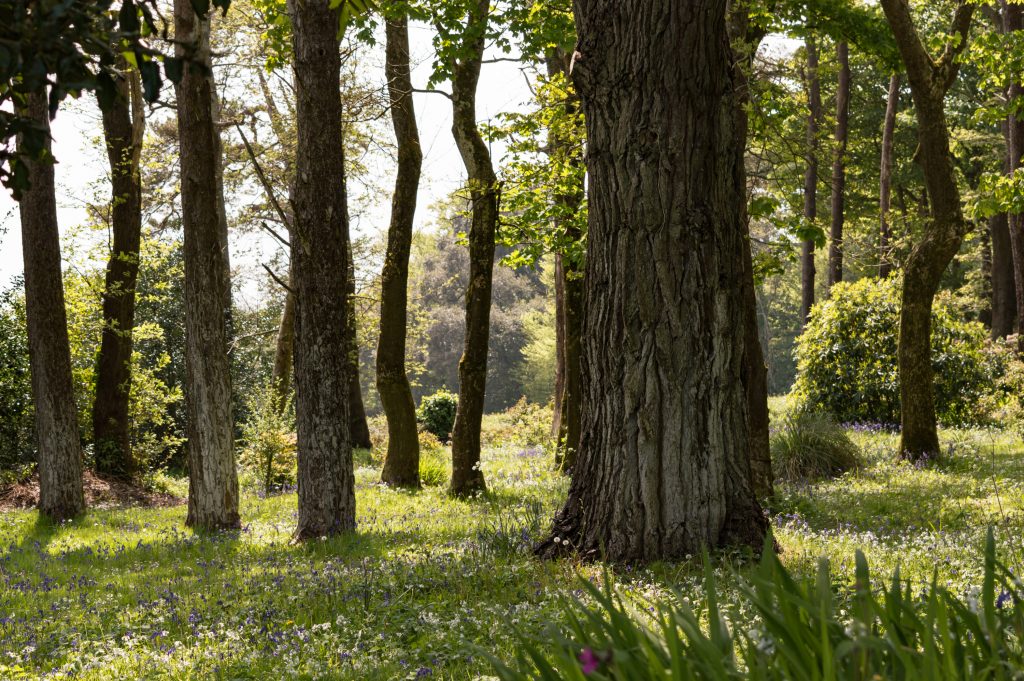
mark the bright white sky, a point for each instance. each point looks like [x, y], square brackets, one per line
[82, 159]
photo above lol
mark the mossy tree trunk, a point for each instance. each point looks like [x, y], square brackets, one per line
[835, 248]
[885, 177]
[663, 468]
[482, 184]
[56, 422]
[945, 227]
[812, 84]
[123, 128]
[402, 461]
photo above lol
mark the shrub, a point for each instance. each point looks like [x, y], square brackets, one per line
[847, 366]
[809, 446]
[437, 413]
[802, 630]
[269, 453]
[524, 424]
[433, 461]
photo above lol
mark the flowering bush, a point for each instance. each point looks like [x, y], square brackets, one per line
[437, 413]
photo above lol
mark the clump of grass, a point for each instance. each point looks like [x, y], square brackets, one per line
[433, 460]
[811, 446]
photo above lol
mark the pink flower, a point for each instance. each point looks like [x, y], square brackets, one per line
[589, 661]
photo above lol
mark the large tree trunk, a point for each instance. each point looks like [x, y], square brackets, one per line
[885, 177]
[1013, 21]
[358, 428]
[56, 422]
[467, 478]
[319, 248]
[123, 128]
[807, 270]
[213, 481]
[663, 467]
[835, 249]
[402, 461]
[929, 79]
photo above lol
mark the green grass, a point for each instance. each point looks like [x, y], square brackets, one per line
[428, 582]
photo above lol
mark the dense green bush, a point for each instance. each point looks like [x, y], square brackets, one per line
[809, 445]
[804, 629]
[269, 453]
[437, 413]
[847, 366]
[16, 422]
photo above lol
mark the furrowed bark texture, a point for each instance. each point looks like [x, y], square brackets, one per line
[319, 248]
[123, 128]
[402, 461]
[663, 467]
[835, 248]
[807, 269]
[213, 481]
[467, 478]
[885, 177]
[56, 422]
[929, 80]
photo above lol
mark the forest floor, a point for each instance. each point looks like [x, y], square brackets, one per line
[428, 583]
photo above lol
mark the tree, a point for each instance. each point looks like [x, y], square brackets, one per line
[56, 424]
[835, 249]
[663, 468]
[402, 461]
[213, 481]
[123, 128]
[467, 477]
[929, 79]
[885, 176]
[319, 259]
[1013, 22]
[807, 269]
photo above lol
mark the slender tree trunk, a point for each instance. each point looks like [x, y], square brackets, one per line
[1013, 21]
[284, 348]
[663, 468]
[319, 248]
[835, 249]
[358, 428]
[755, 370]
[807, 270]
[402, 462]
[570, 271]
[56, 422]
[123, 128]
[213, 481]
[556, 421]
[929, 79]
[885, 177]
[467, 478]
[1003, 288]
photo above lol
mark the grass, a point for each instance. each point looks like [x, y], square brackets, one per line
[428, 582]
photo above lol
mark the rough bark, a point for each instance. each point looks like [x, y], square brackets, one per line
[571, 421]
[56, 423]
[929, 80]
[835, 248]
[319, 245]
[663, 467]
[807, 270]
[123, 128]
[402, 461]
[467, 478]
[885, 177]
[213, 481]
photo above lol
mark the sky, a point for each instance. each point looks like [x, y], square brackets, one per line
[81, 159]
